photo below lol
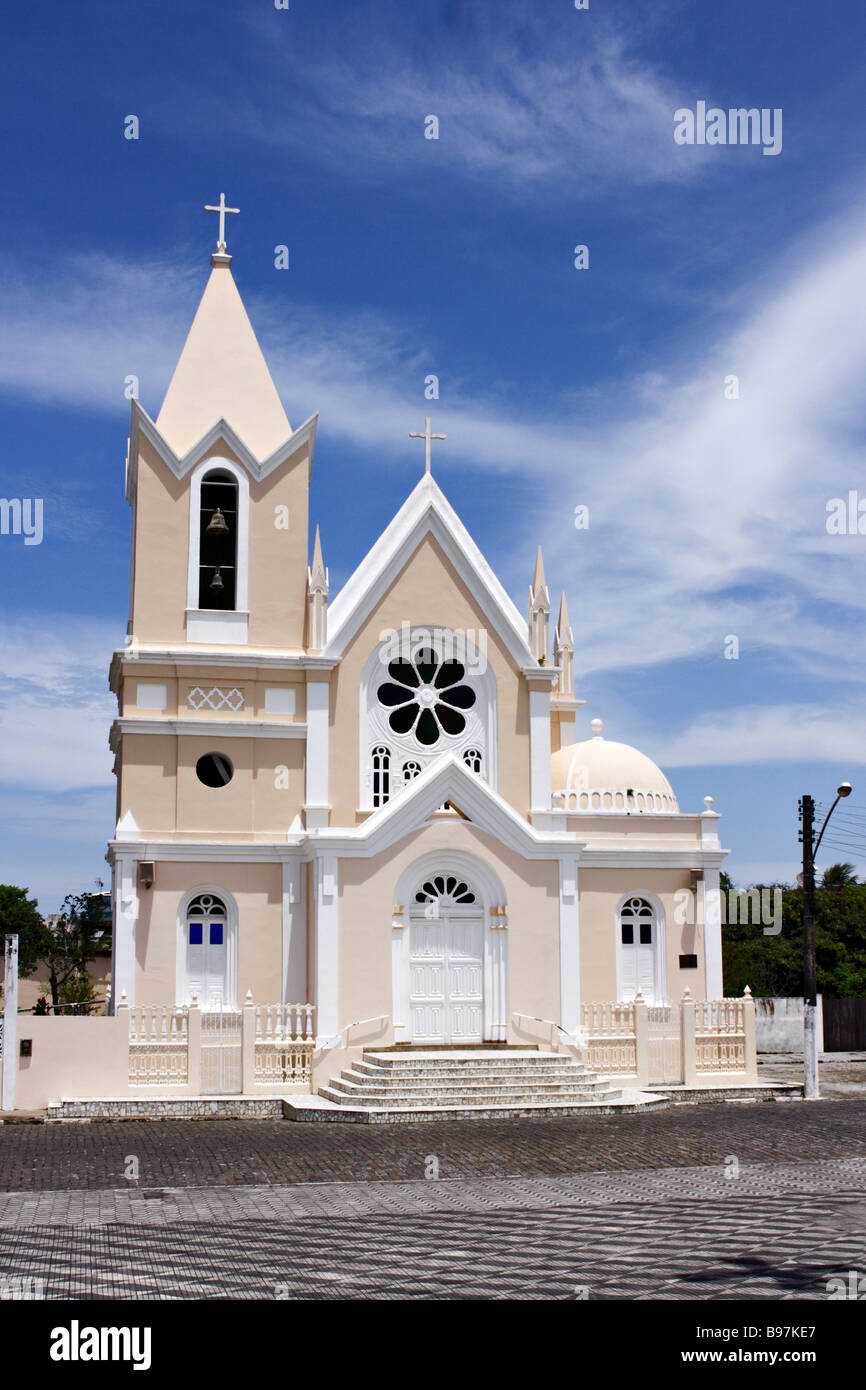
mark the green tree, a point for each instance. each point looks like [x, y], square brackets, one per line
[21, 914]
[773, 965]
[83, 929]
[838, 876]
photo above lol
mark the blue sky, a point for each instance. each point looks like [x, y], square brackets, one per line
[558, 387]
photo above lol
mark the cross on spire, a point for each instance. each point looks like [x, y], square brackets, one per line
[427, 437]
[222, 210]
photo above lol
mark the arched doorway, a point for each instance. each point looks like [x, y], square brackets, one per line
[640, 951]
[450, 954]
[446, 962]
[208, 943]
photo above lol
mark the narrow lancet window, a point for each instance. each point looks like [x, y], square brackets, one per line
[218, 541]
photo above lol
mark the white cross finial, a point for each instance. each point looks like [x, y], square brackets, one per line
[427, 437]
[222, 210]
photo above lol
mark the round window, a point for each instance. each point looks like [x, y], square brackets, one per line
[214, 770]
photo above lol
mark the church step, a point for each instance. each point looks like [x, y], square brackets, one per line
[359, 1114]
[496, 1098]
[457, 1059]
[354, 1085]
[362, 1070]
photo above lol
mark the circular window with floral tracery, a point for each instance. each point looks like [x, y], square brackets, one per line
[426, 695]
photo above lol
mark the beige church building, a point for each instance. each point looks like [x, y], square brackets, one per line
[384, 802]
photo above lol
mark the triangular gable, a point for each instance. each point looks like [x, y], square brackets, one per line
[142, 425]
[447, 779]
[426, 512]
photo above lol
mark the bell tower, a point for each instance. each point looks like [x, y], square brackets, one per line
[218, 485]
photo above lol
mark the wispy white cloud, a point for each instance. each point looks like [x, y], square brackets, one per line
[55, 707]
[767, 733]
[523, 108]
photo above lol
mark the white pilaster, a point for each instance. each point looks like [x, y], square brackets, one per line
[317, 807]
[125, 898]
[569, 947]
[539, 748]
[294, 933]
[327, 993]
[10, 1023]
[713, 933]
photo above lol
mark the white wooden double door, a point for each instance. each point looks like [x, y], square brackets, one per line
[446, 975]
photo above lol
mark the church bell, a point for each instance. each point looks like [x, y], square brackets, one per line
[216, 582]
[217, 526]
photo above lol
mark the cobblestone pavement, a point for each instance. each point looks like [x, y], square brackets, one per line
[605, 1207]
[775, 1232]
[206, 1153]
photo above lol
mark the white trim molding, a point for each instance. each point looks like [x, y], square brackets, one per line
[204, 728]
[140, 424]
[427, 511]
[326, 947]
[539, 749]
[124, 891]
[316, 806]
[294, 923]
[712, 910]
[569, 946]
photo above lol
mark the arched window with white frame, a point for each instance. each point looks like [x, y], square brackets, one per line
[640, 951]
[381, 775]
[217, 596]
[218, 541]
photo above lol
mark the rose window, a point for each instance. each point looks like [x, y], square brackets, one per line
[426, 694]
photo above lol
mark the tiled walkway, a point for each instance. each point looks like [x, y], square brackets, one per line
[685, 1233]
[604, 1208]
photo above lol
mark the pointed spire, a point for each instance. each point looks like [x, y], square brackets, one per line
[562, 624]
[539, 613]
[317, 599]
[563, 652]
[539, 581]
[222, 373]
[318, 566]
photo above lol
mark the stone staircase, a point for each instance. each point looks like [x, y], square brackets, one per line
[409, 1084]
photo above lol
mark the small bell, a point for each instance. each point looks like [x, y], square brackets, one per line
[217, 526]
[216, 582]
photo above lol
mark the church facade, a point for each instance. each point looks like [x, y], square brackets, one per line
[380, 802]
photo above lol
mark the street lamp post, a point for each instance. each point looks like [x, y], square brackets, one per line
[810, 968]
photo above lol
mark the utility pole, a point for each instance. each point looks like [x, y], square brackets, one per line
[810, 968]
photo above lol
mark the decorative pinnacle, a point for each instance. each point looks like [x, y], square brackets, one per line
[596, 725]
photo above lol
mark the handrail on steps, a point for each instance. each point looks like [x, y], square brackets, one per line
[570, 1037]
[356, 1023]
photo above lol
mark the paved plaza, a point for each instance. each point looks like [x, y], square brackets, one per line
[731, 1201]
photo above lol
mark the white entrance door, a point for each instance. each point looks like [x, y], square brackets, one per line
[446, 964]
[207, 954]
[638, 946]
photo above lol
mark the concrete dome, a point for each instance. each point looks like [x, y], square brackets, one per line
[601, 776]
